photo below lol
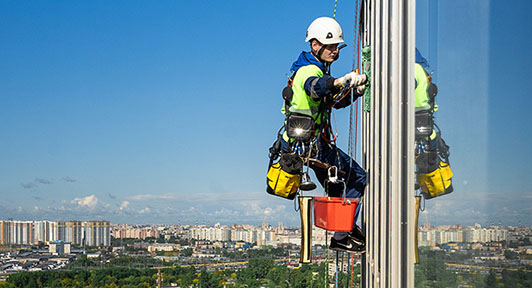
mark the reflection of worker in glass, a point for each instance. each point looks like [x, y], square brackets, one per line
[314, 94]
[425, 102]
[432, 154]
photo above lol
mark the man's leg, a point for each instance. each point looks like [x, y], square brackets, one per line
[355, 182]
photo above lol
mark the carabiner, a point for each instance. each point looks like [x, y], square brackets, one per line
[333, 178]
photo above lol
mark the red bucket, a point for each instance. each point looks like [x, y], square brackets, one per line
[334, 213]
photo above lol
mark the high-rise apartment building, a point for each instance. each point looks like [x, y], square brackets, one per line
[91, 233]
[16, 232]
[446, 234]
[71, 231]
[97, 233]
[128, 231]
[40, 232]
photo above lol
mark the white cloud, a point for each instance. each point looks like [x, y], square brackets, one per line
[89, 201]
[200, 197]
[42, 181]
[28, 185]
[224, 212]
[35, 208]
[124, 205]
[144, 211]
[69, 179]
[266, 213]
[142, 197]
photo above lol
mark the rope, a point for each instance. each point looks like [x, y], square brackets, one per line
[357, 30]
[353, 115]
[337, 272]
[357, 64]
[352, 270]
[356, 129]
[334, 14]
[342, 264]
[326, 278]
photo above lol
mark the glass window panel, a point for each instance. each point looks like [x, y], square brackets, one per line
[478, 52]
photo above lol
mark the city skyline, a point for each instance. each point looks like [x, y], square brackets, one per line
[90, 233]
[236, 223]
[141, 114]
[96, 233]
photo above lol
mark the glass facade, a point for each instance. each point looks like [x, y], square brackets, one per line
[477, 55]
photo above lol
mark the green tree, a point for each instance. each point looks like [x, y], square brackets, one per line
[510, 255]
[32, 283]
[278, 275]
[187, 252]
[259, 268]
[432, 271]
[491, 280]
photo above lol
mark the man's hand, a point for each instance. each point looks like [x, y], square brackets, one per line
[359, 90]
[352, 79]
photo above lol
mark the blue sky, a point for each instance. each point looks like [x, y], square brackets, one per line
[162, 112]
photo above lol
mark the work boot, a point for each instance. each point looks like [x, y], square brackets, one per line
[357, 236]
[346, 245]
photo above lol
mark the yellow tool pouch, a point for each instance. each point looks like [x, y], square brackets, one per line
[284, 177]
[437, 182]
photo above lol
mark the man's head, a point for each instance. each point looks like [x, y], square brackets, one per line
[324, 35]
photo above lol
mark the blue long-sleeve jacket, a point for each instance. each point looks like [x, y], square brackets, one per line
[318, 88]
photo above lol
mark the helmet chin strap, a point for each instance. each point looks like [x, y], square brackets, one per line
[318, 56]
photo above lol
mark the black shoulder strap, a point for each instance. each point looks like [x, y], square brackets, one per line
[275, 150]
[288, 93]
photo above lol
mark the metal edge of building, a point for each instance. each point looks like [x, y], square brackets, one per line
[388, 140]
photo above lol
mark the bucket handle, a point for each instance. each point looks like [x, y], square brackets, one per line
[333, 177]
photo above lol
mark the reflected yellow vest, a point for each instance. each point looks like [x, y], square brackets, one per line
[422, 96]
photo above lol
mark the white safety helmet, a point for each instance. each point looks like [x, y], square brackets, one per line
[326, 30]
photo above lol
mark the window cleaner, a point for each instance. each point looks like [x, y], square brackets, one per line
[308, 101]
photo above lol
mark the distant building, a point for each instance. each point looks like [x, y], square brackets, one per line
[71, 231]
[59, 247]
[162, 247]
[91, 233]
[439, 235]
[97, 233]
[16, 232]
[128, 231]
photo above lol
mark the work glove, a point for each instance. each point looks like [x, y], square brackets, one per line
[359, 90]
[353, 79]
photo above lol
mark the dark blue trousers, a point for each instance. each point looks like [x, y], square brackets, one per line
[355, 180]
